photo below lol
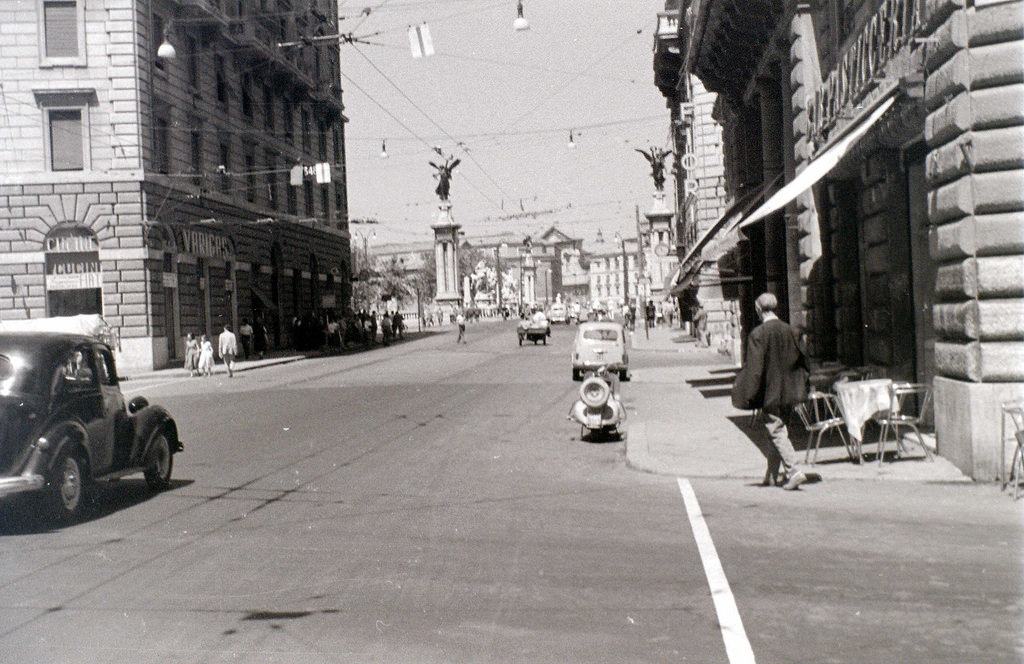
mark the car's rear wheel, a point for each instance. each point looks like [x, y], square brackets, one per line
[66, 487]
[160, 462]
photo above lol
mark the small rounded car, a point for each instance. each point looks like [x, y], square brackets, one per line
[600, 344]
[534, 328]
[64, 423]
[558, 313]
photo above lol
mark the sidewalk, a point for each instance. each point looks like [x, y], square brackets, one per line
[682, 423]
[283, 356]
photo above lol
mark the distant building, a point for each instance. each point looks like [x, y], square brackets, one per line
[156, 190]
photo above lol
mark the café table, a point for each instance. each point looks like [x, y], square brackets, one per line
[860, 401]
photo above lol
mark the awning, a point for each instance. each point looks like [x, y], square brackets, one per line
[820, 165]
[683, 275]
[732, 214]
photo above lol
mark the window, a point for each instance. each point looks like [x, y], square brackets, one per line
[106, 366]
[268, 107]
[325, 201]
[162, 143]
[306, 142]
[196, 138]
[247, 95]
[287, 118]
[224, 166]
[193, 64]
[63, 33]
[156, 38]
[307, 194]
[250, 177]
[66, 138]
[222, 84]
[293, 204]
[271, 165]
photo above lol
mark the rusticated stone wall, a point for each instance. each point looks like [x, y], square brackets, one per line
[974, 92]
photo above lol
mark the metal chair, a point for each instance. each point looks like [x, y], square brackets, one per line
[908, 407]
[821, 413]
[1014, 412]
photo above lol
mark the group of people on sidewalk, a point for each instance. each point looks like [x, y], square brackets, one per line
[199, 356]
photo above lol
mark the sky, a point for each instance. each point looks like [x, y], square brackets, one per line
[504, 102]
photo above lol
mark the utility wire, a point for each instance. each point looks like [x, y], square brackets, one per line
[411, 132]
[433, 122]
[562, 87]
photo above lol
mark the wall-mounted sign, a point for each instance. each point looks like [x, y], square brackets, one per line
[73, 270]
[169, 279]
[72, 259]
[885, 33]
[229, 285]
[204, 243]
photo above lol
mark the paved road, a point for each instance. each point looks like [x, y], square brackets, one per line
[429, 502]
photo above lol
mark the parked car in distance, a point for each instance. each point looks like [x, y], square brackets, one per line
[558, 313]
[600, 344]
[64, 422]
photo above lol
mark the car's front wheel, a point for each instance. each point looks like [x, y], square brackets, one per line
[160, 463]
[66, 487]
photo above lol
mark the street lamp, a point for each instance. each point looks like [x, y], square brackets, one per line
[520, 24]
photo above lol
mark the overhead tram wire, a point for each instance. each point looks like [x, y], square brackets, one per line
[561, 88]
[412, 133]
[444, 131]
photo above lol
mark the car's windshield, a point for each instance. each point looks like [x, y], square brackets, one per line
[18, 376]
[601, 335]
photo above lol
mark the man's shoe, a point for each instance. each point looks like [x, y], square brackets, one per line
[796, 480]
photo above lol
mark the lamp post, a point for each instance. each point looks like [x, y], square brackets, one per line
[625, 269]
[497, 261]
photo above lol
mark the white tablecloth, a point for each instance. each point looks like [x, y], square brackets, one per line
[860, 400]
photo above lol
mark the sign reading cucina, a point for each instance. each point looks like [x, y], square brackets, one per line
[72, 259]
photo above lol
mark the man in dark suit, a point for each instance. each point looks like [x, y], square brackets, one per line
[774, 379]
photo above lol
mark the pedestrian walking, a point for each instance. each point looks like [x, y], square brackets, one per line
[700, 324]
[398, 325]
[259, 338]
[460, 320]
[245, 334]
[191, 354]
[227, 346]
[774, 379]
[205, 366]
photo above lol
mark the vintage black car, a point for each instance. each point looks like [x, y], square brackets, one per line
[65, 424]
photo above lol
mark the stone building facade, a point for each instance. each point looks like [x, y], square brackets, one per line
[887, 140]
[155, 190]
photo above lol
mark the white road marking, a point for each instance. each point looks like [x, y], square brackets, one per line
[737, 647]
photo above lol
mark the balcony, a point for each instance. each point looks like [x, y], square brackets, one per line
[667, 58]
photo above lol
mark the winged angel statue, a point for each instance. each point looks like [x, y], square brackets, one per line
[656, 158]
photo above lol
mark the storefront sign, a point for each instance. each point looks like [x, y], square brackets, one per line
[72, 259]
[891, 27]
[169, 279]
[73, 270]
[205, 244]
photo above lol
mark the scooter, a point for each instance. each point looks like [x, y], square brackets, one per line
[598, 411]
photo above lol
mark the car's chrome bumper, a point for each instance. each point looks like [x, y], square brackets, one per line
[21, 484]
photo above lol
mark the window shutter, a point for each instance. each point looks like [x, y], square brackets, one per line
[61, 24]
[66, 140]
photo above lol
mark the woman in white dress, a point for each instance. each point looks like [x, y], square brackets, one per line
[205, 356]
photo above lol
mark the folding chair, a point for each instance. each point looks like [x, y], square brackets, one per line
[821, 413]
[908, 407]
